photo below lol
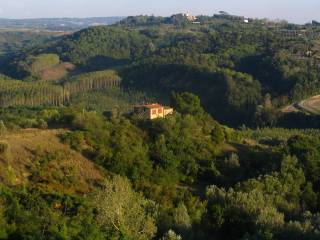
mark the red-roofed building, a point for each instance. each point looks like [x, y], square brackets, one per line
[153, 111]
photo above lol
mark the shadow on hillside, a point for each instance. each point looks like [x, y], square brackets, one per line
[102, 62]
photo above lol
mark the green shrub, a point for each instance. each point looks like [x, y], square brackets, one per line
[74, 139]
[3, 147]
[42, 124]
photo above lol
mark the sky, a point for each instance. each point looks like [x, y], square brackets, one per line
[297, 11]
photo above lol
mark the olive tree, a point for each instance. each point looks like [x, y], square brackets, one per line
[124, 213]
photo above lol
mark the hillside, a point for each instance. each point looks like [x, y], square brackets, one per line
[87, 173]
[102, 47]
[249, 70]
[37, 158]
[14, 41]
[238, 158]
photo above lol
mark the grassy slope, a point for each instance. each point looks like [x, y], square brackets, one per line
[57, 72]
[37, 157]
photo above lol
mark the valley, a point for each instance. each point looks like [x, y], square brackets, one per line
[169, 128]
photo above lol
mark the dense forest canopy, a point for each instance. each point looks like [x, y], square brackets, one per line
[229, 164]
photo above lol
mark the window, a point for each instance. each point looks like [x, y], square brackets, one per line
[160, 110]
[154, 111]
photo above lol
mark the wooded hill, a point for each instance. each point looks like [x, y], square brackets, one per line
[249, 70]
[74, 167]
[183, 177]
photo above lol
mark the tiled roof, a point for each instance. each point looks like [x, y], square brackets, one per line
[151, 106]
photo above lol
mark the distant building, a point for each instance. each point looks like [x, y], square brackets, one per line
[153, 111]
[190, 17]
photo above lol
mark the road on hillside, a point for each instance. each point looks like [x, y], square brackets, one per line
[310, 105]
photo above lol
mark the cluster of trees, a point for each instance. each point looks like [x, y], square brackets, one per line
[224, 93]
[92, 81]
[114, 212]
[144, 20]
[102, 47]
[181, 20]
[16, 92]
[33, 117]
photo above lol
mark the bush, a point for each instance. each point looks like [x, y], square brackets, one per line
[3, 147]
[74, 139]
[42, 124]
[217, 134]
[29, 123]
[187, 103]
[124, 213]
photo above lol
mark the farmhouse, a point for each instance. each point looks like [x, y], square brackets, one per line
[153, 111]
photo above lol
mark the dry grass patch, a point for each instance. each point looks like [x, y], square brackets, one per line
[57, 72]
[39, 158]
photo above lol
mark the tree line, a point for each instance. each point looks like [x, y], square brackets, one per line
[17, 93]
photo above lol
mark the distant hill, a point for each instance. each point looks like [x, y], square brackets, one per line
[102, 46]
[13, 41]
[57, 24]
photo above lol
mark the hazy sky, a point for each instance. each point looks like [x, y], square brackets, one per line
[292, 10]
